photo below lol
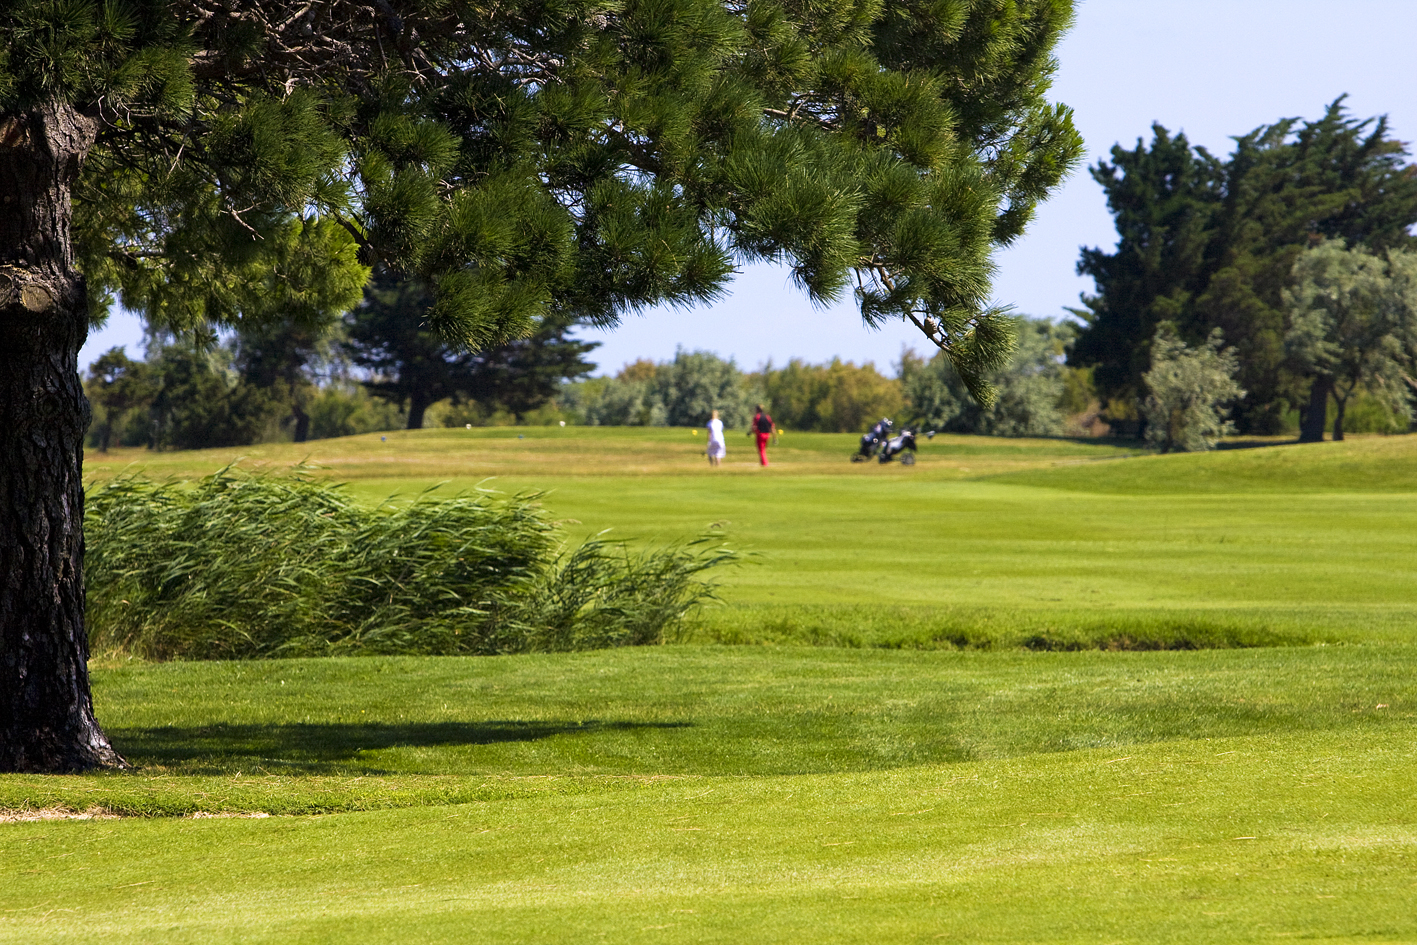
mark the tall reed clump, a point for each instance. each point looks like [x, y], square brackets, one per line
[242, 566]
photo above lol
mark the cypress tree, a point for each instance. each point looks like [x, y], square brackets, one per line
[1206, 243]
[213, 162]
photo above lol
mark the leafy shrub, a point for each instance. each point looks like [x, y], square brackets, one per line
[240, 566]
[1190, 392]
[1029, 389]
[837, 397]
[349, 409]
[682, 393]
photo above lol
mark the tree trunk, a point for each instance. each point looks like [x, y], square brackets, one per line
[46, 711]
[1311, 429]
[416, 406]
[302, 423]
[1340, 404]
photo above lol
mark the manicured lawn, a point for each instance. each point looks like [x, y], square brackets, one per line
[741, 794]
[986, 542]
[922, 773]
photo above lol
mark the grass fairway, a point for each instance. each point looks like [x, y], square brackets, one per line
[986, 542]
[931, 777]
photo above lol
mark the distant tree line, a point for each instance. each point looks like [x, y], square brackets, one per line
[1290, 261]
[1037, 394]
[377, 367]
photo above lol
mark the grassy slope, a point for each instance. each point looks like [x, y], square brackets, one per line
[728, 794]
[790, 794]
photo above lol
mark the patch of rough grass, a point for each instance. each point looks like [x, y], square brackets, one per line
[1252, 838]
[953, 628]
[242, 566]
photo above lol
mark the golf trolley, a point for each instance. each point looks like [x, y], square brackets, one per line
[880, 444]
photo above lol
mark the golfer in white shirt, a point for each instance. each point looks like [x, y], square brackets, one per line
[717, 447]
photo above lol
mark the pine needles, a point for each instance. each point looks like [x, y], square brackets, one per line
[242, 566]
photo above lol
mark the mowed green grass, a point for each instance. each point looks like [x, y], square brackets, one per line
[986, 542]
[933, 777]
[729, 794]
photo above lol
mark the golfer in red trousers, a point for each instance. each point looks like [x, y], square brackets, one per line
[762, 429]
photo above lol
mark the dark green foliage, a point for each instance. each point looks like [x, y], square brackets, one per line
[579, 158]
[280, 356]
[202, 401]
[390, 336]
[238, 566]
[1207, 243]
[1031, 388]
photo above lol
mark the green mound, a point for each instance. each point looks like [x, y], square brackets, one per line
[1368, 465]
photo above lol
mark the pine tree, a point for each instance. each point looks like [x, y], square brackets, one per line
[1164, 198]
[415, 367]
[221, 162]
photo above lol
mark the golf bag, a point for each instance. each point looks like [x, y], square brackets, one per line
[888, 448]
[874, 440]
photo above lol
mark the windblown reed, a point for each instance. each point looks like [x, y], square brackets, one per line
[241, 566]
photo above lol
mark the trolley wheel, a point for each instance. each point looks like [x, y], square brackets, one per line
[908, 459]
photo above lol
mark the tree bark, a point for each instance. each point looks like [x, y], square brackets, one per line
[302, 423]
[1340, 404]
[416, 406]
[1311, 430]
[46, 710]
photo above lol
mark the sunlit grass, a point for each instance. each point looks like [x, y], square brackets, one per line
[740, 794]
[882, 785]
[986, 542]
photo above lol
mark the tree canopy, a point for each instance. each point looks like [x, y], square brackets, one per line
[1353, 321]
[210, 162]
[1206, 243]
[579, 155]
[414, 367]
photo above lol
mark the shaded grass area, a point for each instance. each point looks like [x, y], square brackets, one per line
[742, 794]
[247, 736]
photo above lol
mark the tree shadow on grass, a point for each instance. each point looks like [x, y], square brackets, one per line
[328, 748]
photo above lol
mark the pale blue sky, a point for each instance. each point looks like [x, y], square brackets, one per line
[1211, 68]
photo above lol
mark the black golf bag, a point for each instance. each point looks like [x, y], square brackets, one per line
[874, 440]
